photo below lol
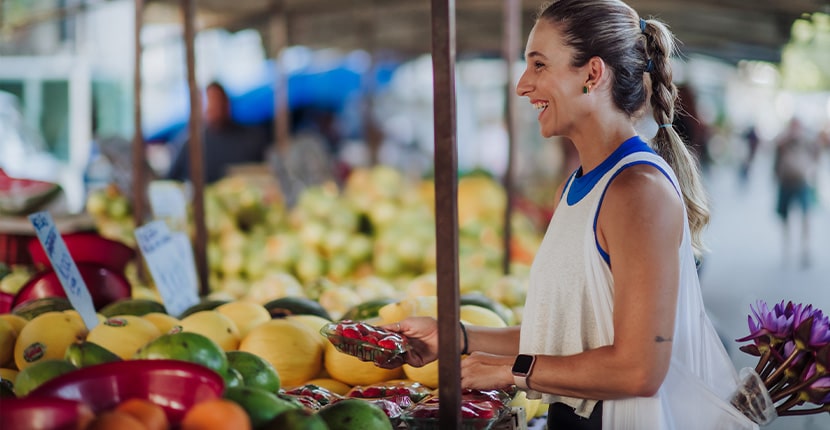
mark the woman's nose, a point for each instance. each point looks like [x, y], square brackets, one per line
[523, 87]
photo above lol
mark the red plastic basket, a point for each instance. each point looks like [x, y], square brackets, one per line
[105, 285]
[88, 247]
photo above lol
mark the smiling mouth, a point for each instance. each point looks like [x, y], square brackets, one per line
[540, 105]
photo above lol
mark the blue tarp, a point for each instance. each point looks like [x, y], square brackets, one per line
[331, 89]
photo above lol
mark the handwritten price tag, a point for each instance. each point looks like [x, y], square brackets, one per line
[169, 266]
[65, 267]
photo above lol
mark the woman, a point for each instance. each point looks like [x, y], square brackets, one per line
[614, 334]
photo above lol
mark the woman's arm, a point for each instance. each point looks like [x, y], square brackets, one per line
[641, 226]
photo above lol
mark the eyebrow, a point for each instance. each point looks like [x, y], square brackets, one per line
[532, 54]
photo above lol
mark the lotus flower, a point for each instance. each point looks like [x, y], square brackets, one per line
[792, 342]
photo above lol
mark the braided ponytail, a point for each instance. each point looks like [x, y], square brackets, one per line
[659, 46]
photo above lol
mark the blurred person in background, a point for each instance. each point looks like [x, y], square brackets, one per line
[615, 334]
[752, 142]
[225, 141]
[795, 167]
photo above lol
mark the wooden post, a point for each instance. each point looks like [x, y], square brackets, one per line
[139, 182]
[195, 149]
[512, 27]
[446, 212]
[282, 112]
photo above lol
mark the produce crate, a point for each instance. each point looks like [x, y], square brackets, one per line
[516, 420]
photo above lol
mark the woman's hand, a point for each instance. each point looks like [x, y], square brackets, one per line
[422, 335]
[486, 371]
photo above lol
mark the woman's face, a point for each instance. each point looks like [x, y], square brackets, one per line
[553, 86]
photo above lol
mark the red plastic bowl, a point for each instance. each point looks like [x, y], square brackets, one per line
[105, 285]
[88, 247]
[172, 384]
[43, 413]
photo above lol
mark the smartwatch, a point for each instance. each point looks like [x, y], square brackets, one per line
[521, 370]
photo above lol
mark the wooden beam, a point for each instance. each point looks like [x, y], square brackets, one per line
[195, 149]
[446, 212]
[139, 183]
[511, 28]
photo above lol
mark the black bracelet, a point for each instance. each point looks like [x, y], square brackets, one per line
[464, 333]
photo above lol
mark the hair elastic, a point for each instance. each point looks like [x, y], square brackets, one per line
[664, 125]
[464, 333]
[643, 26]
[650, 66]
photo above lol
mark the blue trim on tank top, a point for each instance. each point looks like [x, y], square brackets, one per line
[582, 184]
[602, 252]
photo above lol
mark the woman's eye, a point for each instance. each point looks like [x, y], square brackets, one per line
[538, 65]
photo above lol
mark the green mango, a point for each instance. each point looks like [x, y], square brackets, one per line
[186, 346]
[349, 414]
[262, 406]
[136, 307]
[85, 353]
[255, 370]
[35, 375]
[296, 419]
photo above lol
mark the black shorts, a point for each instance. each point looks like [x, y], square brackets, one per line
[563, 417]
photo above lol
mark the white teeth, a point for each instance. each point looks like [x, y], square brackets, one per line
[540, 105]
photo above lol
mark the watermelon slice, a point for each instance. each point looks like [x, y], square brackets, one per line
[20, 196]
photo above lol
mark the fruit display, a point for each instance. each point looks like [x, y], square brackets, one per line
[292, 326]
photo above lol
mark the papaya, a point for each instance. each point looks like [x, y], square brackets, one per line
[135, 307]
[296, 305]
[32, 308]
[254, 370]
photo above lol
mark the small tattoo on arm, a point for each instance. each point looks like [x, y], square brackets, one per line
[659, 339]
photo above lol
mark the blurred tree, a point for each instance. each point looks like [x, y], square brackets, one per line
[805, 60]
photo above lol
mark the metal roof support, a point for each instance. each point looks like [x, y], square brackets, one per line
[446, 211]
[512, 27]
[195, 149]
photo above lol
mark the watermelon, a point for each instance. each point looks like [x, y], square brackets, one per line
[20, 196]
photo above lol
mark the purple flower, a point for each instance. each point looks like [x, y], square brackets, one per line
[819, 390]
[777, 323]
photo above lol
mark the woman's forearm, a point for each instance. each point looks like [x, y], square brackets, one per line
[501, 341]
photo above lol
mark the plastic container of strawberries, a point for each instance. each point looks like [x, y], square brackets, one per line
[367, 342]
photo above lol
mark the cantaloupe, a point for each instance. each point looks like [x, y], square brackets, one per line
[290, 346]
[352, 371]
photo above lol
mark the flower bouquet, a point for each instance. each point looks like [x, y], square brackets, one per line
[792, 342]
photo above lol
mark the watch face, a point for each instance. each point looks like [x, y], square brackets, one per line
[522, 364]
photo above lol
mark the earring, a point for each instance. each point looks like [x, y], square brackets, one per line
[586, 88]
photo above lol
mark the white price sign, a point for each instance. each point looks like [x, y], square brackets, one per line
[65, 267]
[168, 264]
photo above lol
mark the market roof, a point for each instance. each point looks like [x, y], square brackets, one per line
[728, 29]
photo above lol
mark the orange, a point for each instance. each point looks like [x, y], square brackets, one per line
[115, 420]
[149, 413]
[216, 414]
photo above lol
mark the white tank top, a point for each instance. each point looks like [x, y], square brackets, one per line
[569, 309]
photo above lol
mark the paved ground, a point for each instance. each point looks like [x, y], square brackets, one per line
[745, 263]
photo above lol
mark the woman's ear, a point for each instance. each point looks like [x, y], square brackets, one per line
[596, 72]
